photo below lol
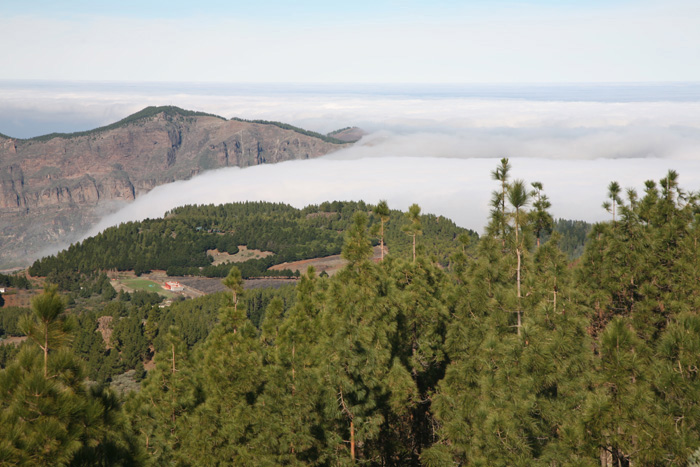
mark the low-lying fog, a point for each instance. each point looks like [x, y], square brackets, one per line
[456, 188]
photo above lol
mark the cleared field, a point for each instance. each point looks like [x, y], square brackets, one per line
[13, 340]
[206, 285]
[20, 297]
[329, 264]
[141, 284]
[147, 285]
[244, 254]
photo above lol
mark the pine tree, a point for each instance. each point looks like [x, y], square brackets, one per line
[234, 282]
[622, 417]
[557, 356]
[677, 382]
[159, 413]
[294, 432]
[228, 422]
[421, 297]
[615, 200]
[508, 399]
[479, 308]
[357, 247]
[359, 327]
[58, 420]
[47, 327]
[498, 225]
[518, 197]
[541, 219]
[382, 211]
[49, 415]
[413, 228]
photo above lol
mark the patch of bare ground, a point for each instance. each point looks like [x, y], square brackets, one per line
[149, 365]
[13, 340]
[244, 254]
[112, 274]
[20, 297]
[116, 276]
[328, 264]
[199, 286]
[104, 327]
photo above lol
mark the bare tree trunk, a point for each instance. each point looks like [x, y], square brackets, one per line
[414, 248]
[46, 349]
[173, 345]
[517, 251]
[382, 240]
[293, 370]
[352, 441]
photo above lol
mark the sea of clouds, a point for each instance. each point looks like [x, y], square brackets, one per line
[436, 149]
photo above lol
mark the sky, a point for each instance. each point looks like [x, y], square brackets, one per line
[314, 41]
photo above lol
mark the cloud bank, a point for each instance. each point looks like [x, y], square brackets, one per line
[456, 188]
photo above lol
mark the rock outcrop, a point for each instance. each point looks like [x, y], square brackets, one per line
[56, 185]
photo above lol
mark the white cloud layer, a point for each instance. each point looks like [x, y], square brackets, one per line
[456, 188]
[38, 108]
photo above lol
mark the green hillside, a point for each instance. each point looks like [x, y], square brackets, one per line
[179, 242]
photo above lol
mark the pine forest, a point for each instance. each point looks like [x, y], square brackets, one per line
[541, 342]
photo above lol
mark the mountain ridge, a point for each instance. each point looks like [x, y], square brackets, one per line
[144, 113]
[172, 111]
[56, 185]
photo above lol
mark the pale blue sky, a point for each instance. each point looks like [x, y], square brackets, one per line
[263, 9]
[360, 41]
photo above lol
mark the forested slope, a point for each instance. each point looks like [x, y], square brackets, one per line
[179, 242]
[512, 355]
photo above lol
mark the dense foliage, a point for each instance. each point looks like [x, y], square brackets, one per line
[9, 320]
[179, 242]
[573, 236]
[507, 355]
[14, 280]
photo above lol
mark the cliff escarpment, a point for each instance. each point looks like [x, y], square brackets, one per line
[58, 184]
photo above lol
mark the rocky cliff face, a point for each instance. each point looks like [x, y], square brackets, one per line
[51, 187]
